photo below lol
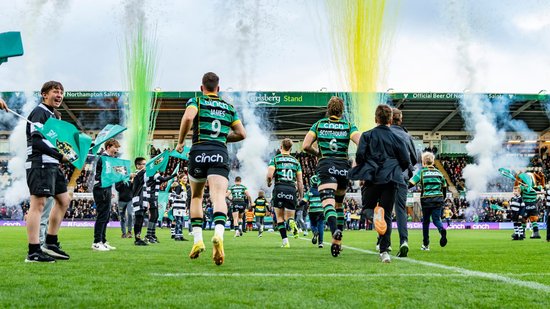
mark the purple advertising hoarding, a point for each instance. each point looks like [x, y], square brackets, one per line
[410, 225]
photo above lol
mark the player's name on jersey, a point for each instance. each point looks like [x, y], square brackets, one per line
[286, 165]
[332, 133]
[218, 112]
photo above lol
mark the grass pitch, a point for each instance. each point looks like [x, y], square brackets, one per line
[477, 269]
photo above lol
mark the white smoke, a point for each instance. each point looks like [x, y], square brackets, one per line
[18, 192]
[488, 121]
[253, 23]
[42, 21]
[485, 145]
[254, 150]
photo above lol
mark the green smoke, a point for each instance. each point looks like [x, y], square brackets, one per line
[140, 113]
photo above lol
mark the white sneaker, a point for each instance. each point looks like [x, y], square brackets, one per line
[98, 246]
[425, 248]
[385, 257]
[106, 244]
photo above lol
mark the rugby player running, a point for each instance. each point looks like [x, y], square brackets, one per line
[333, 135]
[215, 123]
[286, 171]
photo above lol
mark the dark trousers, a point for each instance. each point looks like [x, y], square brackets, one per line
[138, 224]
[401, 212]
[102, 198]
[179, 226]
[384, 195]
[435, 214]
[317, 221]
[153, 217]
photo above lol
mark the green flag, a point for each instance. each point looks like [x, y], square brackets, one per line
[496, 207]
[157, 164]
[180, 155]
[165, 194]
[108, 132]
[114, 170]
[169, 184]
[67, 139]
[163, 201]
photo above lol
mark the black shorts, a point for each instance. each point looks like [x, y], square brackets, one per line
[47, 181]
[205, 160]
[284, 196]
[238, 207]
[517, 212]
[531, 211]
[333, 171]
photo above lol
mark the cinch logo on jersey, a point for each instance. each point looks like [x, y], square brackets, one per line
[286, 159]
[334, 171]
[282, 195]
[430, 173]
[203, 158]
[221, 104]
[331, 125]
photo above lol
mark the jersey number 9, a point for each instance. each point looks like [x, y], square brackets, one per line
[216, 127]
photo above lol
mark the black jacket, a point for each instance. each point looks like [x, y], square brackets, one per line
[381, 157]
[413, 154]
[124, 191]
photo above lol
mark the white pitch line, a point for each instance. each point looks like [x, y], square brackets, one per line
[463, 271]
[354, 275]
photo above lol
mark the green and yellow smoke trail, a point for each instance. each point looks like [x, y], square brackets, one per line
[361, 33]
[140, 69]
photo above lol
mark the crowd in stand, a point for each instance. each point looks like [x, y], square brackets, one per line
[454, 166]
[308, 162]
[84, 209]
[81, 209]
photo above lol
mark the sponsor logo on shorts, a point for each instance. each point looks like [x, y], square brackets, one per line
[282, 195]
[204, 158]
[334, 171]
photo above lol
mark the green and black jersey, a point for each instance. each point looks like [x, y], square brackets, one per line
[314, 199]
[333, 135]
[286, 168]
[238, 193]
[528, 194]
[433, 184]
[260, 207]
[214, 119]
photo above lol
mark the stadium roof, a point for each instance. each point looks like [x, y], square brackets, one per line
[295, 112]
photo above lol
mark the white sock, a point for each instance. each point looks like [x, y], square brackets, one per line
[197, 234]
[219, 229]
[285, 241]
